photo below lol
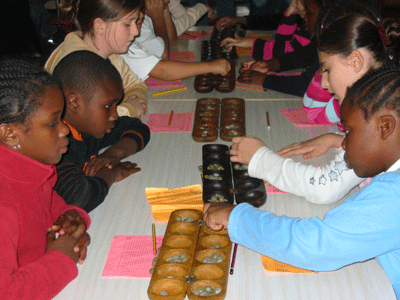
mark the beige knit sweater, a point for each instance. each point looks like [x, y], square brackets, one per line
[133, 86]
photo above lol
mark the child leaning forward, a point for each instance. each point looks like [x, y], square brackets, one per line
[93, 89]
[367, 224]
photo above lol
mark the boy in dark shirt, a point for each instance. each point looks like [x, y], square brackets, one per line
[92, 89]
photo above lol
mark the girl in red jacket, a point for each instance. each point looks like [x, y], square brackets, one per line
[34, 263]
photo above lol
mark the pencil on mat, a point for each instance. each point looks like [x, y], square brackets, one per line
[253, 88]
[154, 240]
[233, 258]
[268, 124]
[170, 91]
[190, 34]
[170, 117]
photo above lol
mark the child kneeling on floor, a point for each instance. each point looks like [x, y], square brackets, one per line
[367, 224]
[93, 89]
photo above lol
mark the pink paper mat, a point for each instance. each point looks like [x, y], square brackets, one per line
[298, 117]
[156, 84]
[273, 190]
[130, 256]
[193, 35]
[180, 122]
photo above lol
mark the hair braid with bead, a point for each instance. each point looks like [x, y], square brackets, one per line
[20, 87]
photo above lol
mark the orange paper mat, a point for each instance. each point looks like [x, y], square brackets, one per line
[164, 201]
[277, 266]
[247, 51]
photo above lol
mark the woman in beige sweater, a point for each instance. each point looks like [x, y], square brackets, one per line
[106, 27]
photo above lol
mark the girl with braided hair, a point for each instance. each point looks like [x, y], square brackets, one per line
[34, 263]
[367, 224]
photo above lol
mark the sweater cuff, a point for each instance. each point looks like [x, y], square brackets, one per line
[258, 49]
[82, 213]
[234, 220]
[252, 167]
[126, 109]
[138, 137]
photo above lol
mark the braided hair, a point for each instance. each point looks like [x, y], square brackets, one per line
[377, 89]
[21, 84]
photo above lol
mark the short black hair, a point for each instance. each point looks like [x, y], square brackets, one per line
[85, 71]
[377, 89]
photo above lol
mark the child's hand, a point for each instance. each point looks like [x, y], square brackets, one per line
[216, 215]
[221, 66]
[140, 106]
[100, 161]
[155, 8]
[68, 222]
[246, 65]
[243, 148]
[73, 244]
[210, 10]
[265, 66]
[245, 42]
[225, 22]
[124, 169]
[252, 77]
[293, 7]
[314, 147]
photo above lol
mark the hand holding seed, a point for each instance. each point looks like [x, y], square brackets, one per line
[216, 215]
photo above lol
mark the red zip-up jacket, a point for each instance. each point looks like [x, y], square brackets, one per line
[28, 207]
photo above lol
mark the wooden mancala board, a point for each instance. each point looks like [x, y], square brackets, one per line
[193, 260]
[211, 50]
[229, 182]
[214, 116]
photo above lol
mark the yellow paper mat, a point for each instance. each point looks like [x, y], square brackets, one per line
[277, 266]
[247, 51]
[164, 201]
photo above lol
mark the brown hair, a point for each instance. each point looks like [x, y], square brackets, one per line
[350, 26]
[83, 12]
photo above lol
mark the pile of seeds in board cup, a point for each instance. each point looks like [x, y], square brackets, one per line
[192, 261]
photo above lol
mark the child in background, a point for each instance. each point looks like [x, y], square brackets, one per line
[320, 106]
[364, 43]
[92, 89]
[107, 28]
[365, 226]
[256, 22]
[149, 56]
[294, 47]
[184, 18]
[345, 58]
[34, 263]
[159, 22]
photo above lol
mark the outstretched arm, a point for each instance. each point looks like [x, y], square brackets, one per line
[322, 185]
[173, 70]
